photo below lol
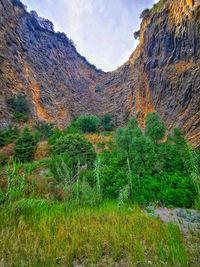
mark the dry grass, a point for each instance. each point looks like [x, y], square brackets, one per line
[99, 141]
[42, 150]
[35, 233]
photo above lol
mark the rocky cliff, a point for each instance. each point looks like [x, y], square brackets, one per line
[163, 73]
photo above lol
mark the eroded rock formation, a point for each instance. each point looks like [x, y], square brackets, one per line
[162, 74]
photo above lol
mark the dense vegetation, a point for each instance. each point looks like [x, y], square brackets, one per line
[19, 106]
[47, 198]
[141, 166]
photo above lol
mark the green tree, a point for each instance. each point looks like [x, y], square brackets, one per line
[45, 130]
[25, 146]
[88, 123]
[19, 105]
[8, 135]
[155, 127]
[77, 147]
[124, 136]
[107, 122]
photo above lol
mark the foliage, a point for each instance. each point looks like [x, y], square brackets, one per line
[158, 6]
[73, 128]
[137, 35]
[19, 105]
[56, 134]
[88, 123]
[44, 129]
[3, 159]
[25, 146]
[2, 197]
[20, 117]
[145, 14]
[107, 122]
[16, 183]
[76, 147]
[17, 3]
[61, 168]
[154, 170]
[155, 128]
[8, 135]
[99, 88]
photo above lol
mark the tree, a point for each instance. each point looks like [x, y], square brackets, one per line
[124, 136]
[8, 135]
[88, 123]
[25, 146]
[77, 147]
[155, 127]
[45, 129]
[145, 14]
[19, 105]
[107, 122]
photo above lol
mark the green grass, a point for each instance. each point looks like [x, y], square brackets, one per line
[42, 233]
[157, 7]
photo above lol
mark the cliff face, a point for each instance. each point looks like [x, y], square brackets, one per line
[45, 66]
[163, 74]
[169, 61]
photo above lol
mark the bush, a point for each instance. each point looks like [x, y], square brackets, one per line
[155, 128]
[45, 129]
[19, 105]
[8, 135]
[145, 14]
[107, 122]
[148, 168]
[20, 117]
[88, 123]
[17, 3]
[137, 35]
[73, 128]
[56, 134]
[3, 159]
[25, 146]
[76, 147]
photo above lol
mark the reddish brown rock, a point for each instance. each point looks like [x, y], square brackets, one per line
[163, 73]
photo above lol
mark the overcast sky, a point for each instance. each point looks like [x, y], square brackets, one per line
[102, 30]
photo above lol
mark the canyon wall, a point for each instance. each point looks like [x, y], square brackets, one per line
[162, 74]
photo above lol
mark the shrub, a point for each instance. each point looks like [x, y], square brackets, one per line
[25, 146]
[73, 128]
[145, 14]
[45, 129]
[137, 34]
[20, 117]
[17, 3]
[3, 159]
[147, 170]
[124, 136]
[88, 123]
[107, 122]
[76, 147]
[99, 88]
[56, 134]
[155, 128]
[19, 105]
[8, 135]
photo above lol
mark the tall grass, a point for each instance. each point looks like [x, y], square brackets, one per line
[39, 233]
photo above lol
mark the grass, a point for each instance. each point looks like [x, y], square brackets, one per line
[42, 233]
[158, 6]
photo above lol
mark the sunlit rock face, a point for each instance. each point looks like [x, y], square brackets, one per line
[162, 74]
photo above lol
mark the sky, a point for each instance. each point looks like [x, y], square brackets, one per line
[102, 30]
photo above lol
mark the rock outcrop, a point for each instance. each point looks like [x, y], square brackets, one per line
[162, 74]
